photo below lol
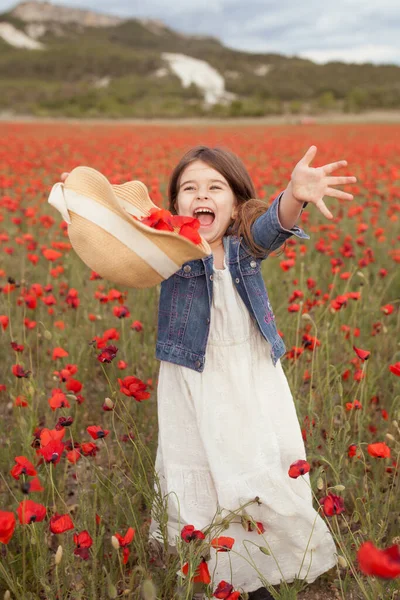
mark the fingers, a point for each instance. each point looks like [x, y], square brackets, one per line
[324, 209]
[64, 176]
[309, 155]
[329, 168]
[340, 180]
[338, 194]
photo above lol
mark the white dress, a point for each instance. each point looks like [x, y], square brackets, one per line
[229, 434]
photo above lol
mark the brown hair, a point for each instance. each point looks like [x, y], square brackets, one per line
[249, 208]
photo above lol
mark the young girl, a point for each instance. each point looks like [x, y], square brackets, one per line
[228, 428]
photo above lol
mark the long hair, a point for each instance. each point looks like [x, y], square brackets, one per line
[249, 208]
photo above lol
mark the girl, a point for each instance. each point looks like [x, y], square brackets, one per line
[228, 428]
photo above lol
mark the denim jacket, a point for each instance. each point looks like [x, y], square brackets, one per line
[186, 297]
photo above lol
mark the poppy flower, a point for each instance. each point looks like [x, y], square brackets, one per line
[58, 400]
[4, 321]
[225, 591]
[124, 542]
[137, 326]
[332, 505]
[159, 218]
[189, 533]
[83, 542]
[29, 512]
[297, 468]
[383, 563]
[379, 450]
[97, 432]
[60, 523]
[52, 451]
[7, 526]
[108, 354]
[73, 455]
[395, 369]
[73, 385]
[121, 312]
[17, 347]
[64, 422]
[222, 543]
[59, 353]
[133, 387]
[201, 574]
[89, 449]
[23, 467]
[363, 354]
[33, 485]
[19, 372]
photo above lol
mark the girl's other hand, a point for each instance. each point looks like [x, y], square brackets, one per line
[64, 176]
[312, 184]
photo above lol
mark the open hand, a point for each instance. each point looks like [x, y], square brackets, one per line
[312, 184]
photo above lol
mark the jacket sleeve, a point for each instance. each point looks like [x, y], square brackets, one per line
[268, 232]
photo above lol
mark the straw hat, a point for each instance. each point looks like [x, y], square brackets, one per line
[104, 234]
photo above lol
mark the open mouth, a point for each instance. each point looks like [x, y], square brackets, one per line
[205, 215]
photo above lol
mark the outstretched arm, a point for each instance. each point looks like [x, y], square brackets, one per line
[307, 185]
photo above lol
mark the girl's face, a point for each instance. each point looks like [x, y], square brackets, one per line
[202, 187]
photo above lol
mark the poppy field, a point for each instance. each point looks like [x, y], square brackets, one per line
[78, 375]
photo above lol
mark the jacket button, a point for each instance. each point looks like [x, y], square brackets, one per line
[237, 280]
[253, 264]
[187, 268]
[197, 364]
[211, 277]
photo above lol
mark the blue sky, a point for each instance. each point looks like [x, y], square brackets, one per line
[347, 30]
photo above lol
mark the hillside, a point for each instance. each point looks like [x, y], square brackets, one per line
[56, 60]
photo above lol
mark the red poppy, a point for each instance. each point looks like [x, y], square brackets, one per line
[97, 432]
[18, 371]
[4, 321]
[124, 542]
[64, 422]
[23, 467]
[158, 218]
[52, 451]
[73, 455]
[58, 400]
[222, 543]
[60, 523]
[83, 542]
[134, 387]
[73, 385]
[33, 485]
[59, 353]
[297, 468]
[17, 347]
[108, 354]
[395, 369]
[137, 325]
[121, 312]
[225, 591]
[189, 533]
[7, 526]
[201, 574]
[379, 450]
[332, 504]
[89, 449]
[29, 512]
[363, 354]
[379, 563]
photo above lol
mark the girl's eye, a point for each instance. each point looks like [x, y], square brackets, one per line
[190, 187]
